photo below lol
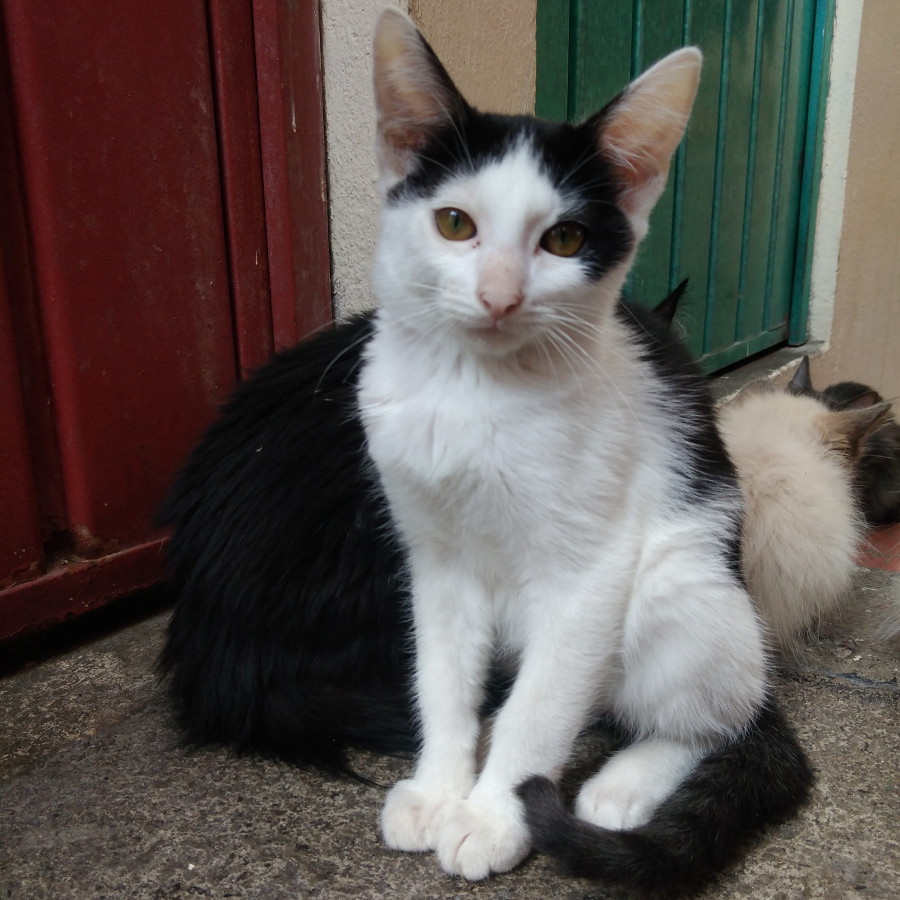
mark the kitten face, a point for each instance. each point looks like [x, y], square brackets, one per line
[507, 230]
[542, 246]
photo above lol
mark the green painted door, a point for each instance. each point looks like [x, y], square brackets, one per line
[736, 215]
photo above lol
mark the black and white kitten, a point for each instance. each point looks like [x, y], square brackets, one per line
[551, 462]
[561, 496]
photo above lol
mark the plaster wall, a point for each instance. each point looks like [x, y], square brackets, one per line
[864, 337]
[489, 49]
[347, 27]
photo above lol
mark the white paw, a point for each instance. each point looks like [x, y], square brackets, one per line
[478, 838]
[618, 807]
[412, 816]
[626, 792]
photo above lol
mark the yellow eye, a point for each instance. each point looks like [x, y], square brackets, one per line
[563, 239]
[454, 224]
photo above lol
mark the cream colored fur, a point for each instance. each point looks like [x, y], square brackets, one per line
[802, 528]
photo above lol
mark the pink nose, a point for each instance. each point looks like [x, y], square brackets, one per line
[500, 304]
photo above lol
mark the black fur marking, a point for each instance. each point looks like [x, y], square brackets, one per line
[666, 309]
[289, 635]
[850, 395]
[877, 476]
[733, 795]
[567, 156]
[705, 466]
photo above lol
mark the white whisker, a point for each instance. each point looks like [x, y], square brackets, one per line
[360, 340]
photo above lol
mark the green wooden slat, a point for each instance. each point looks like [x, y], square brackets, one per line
[778, 178]
[729, 216]
[743, 300]
[653, 276]
[552, 60]
[794, 112]
[812, 169]
[637, 39]
[756, 265]
[602, 47]
[678, 177]
[705, 30]
[731, 175]
[718, 185]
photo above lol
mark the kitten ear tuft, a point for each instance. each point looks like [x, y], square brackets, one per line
[801, 382]
[639, 131]
[864, 400]
[414, 95]
[667, 308]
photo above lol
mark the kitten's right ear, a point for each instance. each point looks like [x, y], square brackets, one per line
[864, 400]
[801, 383]
[414, 96]
[639, 131]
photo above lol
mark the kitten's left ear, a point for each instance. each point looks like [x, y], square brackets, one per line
[639, 131]
[414, 95]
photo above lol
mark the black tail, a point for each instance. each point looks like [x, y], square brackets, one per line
[289, 635]
[731, 797]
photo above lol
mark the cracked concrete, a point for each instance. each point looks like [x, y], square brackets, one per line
[99, 800]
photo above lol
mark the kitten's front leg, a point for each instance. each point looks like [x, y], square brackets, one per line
[452, 655]
[551, 700]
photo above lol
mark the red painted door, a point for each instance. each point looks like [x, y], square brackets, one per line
[152, 250]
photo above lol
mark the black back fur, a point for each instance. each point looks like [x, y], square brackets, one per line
[288, 635]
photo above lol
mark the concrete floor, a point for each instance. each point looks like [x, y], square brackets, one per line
[98, 800]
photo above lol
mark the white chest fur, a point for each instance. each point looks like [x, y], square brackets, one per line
[498, 461]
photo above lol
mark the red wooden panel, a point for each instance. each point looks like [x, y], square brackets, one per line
[237, 114]
[75, 587]
[289, 83]
[156, 176]
[34, 379]
[116, 131]
[21, 550]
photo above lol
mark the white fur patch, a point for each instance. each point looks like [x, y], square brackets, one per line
[533, 484]
[537, 486]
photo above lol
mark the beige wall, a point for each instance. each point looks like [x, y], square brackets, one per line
[864, 344]
[347, 27]
[488, 49]
[487, 46]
